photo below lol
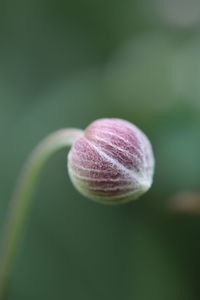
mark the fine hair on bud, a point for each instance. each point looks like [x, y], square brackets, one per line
[112, 162]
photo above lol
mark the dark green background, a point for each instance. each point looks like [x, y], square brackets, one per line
[65, 64]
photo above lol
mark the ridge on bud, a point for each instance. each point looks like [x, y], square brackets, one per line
[112, 162]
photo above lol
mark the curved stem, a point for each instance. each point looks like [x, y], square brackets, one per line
[21, 201]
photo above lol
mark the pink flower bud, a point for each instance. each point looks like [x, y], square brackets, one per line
[112, 163]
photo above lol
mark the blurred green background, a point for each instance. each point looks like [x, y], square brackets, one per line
[65, 64]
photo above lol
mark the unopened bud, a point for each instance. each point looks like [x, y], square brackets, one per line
[112, 162]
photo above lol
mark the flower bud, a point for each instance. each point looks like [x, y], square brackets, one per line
[112, 162]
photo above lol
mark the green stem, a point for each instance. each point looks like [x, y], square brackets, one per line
[22, 198]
